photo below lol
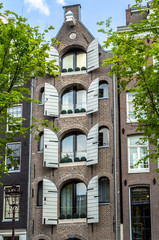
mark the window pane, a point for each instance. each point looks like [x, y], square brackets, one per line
[81, 99]
[15, 111]
[104, 195]
[67, 147]
[67, 100]
[81, 198]
[67, 199]
[103, 90]
[68, 61]
[8, 212]
[133, 157]
[103, 137]
[40, 194]
[81, 60]
[81, 146]
[14, 157]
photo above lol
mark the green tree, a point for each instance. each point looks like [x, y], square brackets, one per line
[23, 53]
[132, 54]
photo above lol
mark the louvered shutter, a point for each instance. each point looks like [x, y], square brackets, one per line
[92, 96]
[92, 201]
[51, 103]
[53, 55]
[22, 237]
[92, 146]
[1, 237]
[50, 156]
[93, 56]
[49, 214]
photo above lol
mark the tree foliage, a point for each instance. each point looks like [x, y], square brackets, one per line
[23, 54]
[134, 52]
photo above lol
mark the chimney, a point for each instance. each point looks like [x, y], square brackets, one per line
[128, 15]
[72, 12]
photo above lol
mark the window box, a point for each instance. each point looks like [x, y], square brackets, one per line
[66, 160]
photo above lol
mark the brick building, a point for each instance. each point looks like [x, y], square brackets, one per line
[74, 172]
[139, 183]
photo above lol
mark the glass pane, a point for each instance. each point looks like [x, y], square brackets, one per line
[41, 143]
[81, 99]
[103, 137]
[14, 157]
[67, 147]
[15, 111]
[133, 157]
[67, 101]
[68, 61]
[140, 195]
[40, 193]
[67, 199]
[104, 195]
[8, 211]
[81, 145]
[103, 90]
[80, 198]
[81, 60]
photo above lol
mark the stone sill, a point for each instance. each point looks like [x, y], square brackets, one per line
[70, 221]
[73, 73]
[72, 164]
[72, 115]
[139, 171]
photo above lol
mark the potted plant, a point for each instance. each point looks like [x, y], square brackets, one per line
[69, 111]
[68, 216]
[76, 159]
[62, 216]
[83, 68]
[77, 69]
[75, 215]
[63, 112]
[83, 110]
[83, 215]
[83, 158]
[69, 160]
[64, 70]
[70, 70]
[77, 110]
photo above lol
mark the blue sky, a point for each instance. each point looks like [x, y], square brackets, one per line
[50, 12]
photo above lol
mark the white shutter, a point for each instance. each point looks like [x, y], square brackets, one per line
[49, 214]
[92, 201]
[50, 156]
[22, 237]
[93, 56]
[92, 146]
[51, 103]
[92, 97]
[1, 237]
[53, 55]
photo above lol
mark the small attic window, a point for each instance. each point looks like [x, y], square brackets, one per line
[70, 19]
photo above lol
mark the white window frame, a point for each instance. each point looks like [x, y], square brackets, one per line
[8, 219]
[18, 170]
[139, 169]
[7, 127]
[129, 120]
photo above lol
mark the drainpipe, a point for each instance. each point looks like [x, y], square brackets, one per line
[115, 164]
[30, 154]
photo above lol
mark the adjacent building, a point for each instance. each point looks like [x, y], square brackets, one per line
[74, 171]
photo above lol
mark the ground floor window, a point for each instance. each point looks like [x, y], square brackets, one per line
[140, 213]
[10, 238]
[73, 200]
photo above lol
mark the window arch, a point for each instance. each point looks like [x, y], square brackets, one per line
[104, 190]
[41, 142]
[73, 199]
[73, 147]
[74, 100]
[103, 138]
[73, 59]
[103, 89]
[40, 193]
[41, 96]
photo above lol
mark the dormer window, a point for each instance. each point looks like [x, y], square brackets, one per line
[74, 60]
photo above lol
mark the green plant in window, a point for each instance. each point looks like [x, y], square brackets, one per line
[62, 216]
[70, 70]
[69, 111]
[64, 70]
[83, 68]
[77, 69]
[83, 215]
[76, 159]
[75, 215]
[83, 110]
[77, 110]
[63, 112]
[68, 216]
[83, 158]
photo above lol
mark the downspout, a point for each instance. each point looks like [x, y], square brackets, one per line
[30, 154]
[115, 159]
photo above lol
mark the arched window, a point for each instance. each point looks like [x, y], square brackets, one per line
[41, 97]
[41, 142]
[74, 59]
[73, 147]
[103, 139]
[73, 200]
[74, 100]
[103, 89]
[40, 193]
[104, 190]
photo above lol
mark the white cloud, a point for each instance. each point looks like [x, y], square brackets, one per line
[61, 2]
[38, 4]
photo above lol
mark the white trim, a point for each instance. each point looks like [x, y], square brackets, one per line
[70, 221]
[73, 115]
[73, 164]
[73, 73]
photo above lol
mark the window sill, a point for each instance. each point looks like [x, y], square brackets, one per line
[39, 151]
[100, 98]
[73, 164]
[72, 115]
[101, 204]
[107, 146]
[13, 171]
[10, 220]
[41, 104]
[139, 171]
[73, 73]
[70, 221]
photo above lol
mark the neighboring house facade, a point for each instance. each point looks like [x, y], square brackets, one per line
[139, 189]
[18, 175]
[74, 172]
